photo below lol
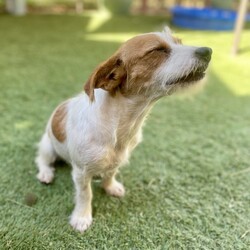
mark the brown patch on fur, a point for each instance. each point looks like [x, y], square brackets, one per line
[138, 46]
[107, 76]
[131, 67]
[142, 56]
[59, 122]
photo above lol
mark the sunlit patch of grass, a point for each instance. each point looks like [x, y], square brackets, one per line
[110, 37]
[97, 20]
[23, 124]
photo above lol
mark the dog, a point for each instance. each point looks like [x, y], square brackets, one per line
[97, 130]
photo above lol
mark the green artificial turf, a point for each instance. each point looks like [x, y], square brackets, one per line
[188, 183]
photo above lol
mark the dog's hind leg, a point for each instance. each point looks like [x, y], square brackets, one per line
[112, 186]
[45, 158]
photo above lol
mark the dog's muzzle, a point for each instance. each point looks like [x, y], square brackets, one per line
[203, 54]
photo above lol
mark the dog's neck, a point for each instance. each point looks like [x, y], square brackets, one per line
[124, 115]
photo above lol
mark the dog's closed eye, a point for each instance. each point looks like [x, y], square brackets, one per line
[162, 49]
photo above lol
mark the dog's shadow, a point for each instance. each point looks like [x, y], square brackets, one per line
[62, 169]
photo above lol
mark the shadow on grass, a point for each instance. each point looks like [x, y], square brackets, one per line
[244, 50]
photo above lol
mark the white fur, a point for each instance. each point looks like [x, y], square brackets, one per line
[100, 138]
[101, 135]
[182, 60]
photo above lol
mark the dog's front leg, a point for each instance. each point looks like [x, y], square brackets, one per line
[81, 217]
[112, 186]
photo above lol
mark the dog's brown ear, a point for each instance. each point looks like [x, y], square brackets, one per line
[108, 76]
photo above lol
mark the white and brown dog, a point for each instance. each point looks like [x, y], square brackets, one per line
[96, 131]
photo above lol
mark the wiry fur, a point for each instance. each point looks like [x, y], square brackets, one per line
[104, 126]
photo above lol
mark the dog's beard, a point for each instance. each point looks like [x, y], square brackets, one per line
[187, 88]
[194, 75]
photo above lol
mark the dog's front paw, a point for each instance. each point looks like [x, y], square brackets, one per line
[46, 176]
[80, 223]
[115, 189]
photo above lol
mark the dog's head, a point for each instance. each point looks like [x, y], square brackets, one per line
[151, 65]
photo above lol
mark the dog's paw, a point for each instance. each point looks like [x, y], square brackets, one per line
[80, 223]
[115, 189]
[46, 176]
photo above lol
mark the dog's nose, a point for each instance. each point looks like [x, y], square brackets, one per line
[204, 53]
